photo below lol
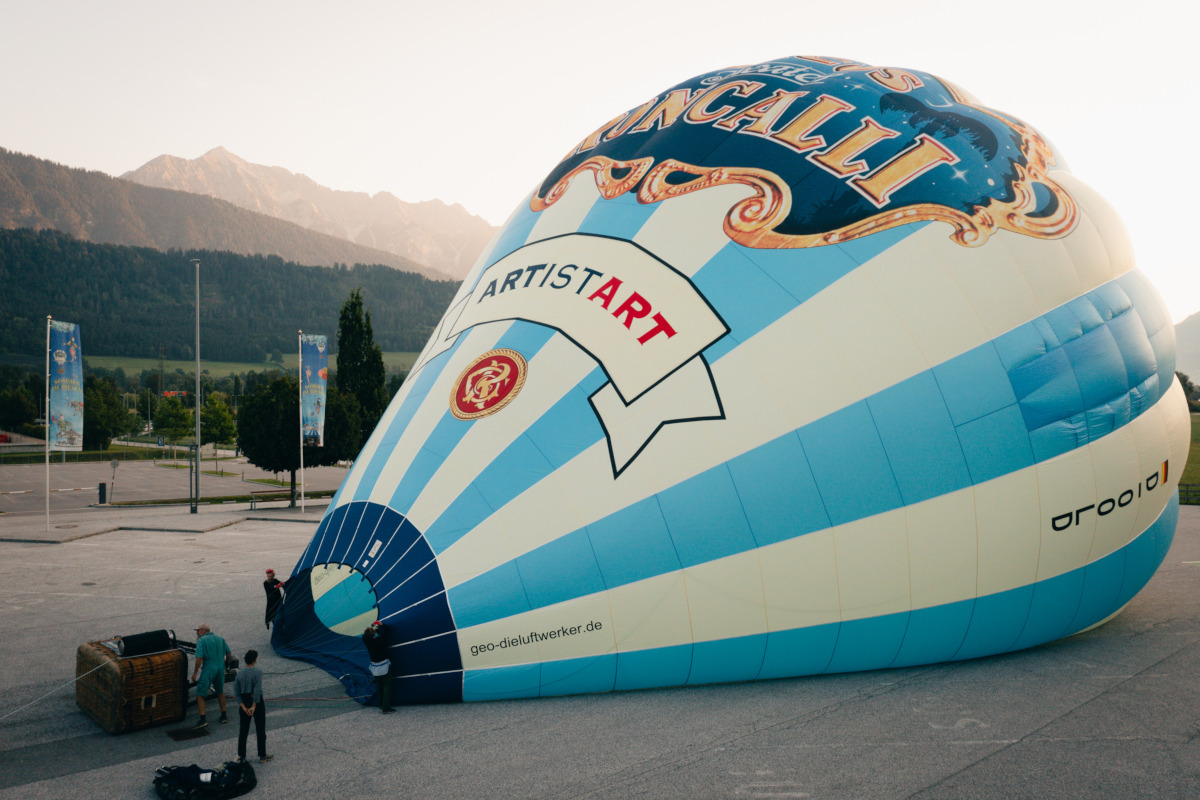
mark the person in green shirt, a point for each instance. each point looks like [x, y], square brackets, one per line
[210, 667]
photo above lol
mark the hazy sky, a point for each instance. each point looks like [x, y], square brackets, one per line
[473, 102]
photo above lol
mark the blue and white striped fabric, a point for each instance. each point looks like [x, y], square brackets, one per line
[886, 450]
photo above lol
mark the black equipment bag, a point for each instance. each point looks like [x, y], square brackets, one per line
[141, 644]
[230, 779]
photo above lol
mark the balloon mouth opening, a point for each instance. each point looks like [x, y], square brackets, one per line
[373, 566]
[344, 600]
[326, 609]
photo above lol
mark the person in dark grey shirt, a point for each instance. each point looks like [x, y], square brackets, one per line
[375, 638]
[247, 688]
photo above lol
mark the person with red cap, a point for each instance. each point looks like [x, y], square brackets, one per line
[275, 591]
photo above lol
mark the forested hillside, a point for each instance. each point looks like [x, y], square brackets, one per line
[131, 300]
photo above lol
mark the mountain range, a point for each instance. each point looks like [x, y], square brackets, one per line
[222, 202]
[95, 207]
[446, 238]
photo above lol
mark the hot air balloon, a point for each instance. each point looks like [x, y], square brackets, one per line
[799, 367]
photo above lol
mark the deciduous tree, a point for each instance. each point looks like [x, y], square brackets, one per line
[17, 407]
[1190, 392]
[268, 427]
[216, 421]
[104, 415]
[172, 420]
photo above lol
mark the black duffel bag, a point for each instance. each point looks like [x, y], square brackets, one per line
[231, 779]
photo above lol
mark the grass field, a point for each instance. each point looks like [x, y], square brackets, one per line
[113, 453]
[392, 362]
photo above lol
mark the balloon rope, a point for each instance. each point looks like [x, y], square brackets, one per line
[327, 699]
[52, 691]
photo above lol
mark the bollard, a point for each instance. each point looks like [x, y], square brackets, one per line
[103, 493]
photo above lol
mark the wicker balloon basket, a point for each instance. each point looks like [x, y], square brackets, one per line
[128, 693]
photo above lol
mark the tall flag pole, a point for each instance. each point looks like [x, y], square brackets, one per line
[300, 383]
[313, 378]
[196, 403]
[64, 393]
[46, 419]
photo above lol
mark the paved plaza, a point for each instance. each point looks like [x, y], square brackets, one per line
[1112, 713]
[76, 486]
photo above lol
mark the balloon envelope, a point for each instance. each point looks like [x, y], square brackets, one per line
[799, 367]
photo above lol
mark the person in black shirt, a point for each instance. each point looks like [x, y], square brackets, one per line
[274, 589]
[375, 639]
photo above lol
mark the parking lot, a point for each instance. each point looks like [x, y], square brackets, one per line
[1110, 713]
[75, 486]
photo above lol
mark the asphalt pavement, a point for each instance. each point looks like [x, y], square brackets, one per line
[1112, 713]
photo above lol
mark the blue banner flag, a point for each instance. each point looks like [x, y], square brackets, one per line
[65, 426]
[314, 374]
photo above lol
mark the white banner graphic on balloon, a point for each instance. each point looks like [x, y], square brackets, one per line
[641, 320]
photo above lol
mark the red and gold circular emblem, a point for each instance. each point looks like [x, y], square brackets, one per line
[488, 384]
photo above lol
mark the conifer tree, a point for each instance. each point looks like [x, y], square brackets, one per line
[360, 371]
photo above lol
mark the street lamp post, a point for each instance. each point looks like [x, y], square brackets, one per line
[196, 489]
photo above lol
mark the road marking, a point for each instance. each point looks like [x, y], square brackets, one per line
[82, 594]
[788, 789]
[133, 569]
